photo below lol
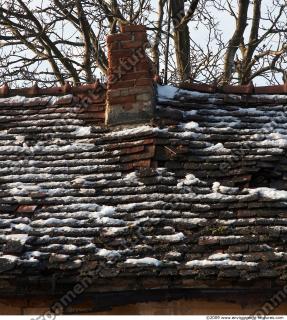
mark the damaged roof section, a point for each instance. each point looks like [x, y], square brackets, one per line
[176, 203]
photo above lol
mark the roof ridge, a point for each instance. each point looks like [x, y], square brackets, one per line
[35, 91]
[235, 89]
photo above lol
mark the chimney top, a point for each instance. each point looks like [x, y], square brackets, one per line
[130, 96]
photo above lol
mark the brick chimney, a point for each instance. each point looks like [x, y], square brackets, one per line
[131, 93]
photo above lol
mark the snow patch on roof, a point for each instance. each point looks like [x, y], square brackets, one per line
[215, 187]
[144, 262]
[167, 92]
[130, 131]
[105, 211]
[189, 180]
[170, 92]
[110, 254]
[219, 256]
[190, 125]
[9, 258]
[82, 131]
[22, 227]
[172, 238]
[218, 263]
[22, 238]
[217, 148]
[270, 193]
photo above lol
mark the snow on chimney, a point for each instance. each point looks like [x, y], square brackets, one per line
[131, 93]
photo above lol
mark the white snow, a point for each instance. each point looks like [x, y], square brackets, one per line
[22, 238]
[54, 100]
[20, 189]
[19, 139]
[217, 148]
[219, 256]
[167, 92]
[65, 247]
[215, 186]
[114, 231]
[9, 258]
[214, 263]
[33, 254]
[22, 227]
[174, 254]
[17, 100]
[189, 125]
[131, 177]
[270, 193]
[172, 237]
[190, 113]
[130, 131]
[82, 131]
[82, 181]
[129, 206]
[144, 262]
[105, 211]
[228, 190]
[110, 254]
[190, 179]
[110, 221]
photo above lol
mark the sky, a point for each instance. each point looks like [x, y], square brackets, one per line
[226, 24]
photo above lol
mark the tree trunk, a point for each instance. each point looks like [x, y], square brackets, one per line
[252, 43]
[235, 41]
[181, 40]
[158, 36]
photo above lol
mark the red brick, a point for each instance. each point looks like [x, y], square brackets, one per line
[92, 116]
[118, 92]
[114, 45]
[140, 90]
[133, 28]
[119, 60]
[143, 66]
[96, 108]
[279, 89]
[121, 53]
[131, 150]
[201, 87]
[135, 75]
[118, 37]
[26, 209]
[125, 64]
[243, 89]
[4, 90]
[144, 82]
[140, 53]
[122, 100]
[140, 36]
[115, 71]
[128, 107]
[122, 84]
[207, 241]
[131, 44]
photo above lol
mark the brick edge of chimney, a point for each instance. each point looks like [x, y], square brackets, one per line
[131, 93]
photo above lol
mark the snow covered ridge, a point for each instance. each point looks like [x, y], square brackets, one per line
[168, 92]
[43, 100]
